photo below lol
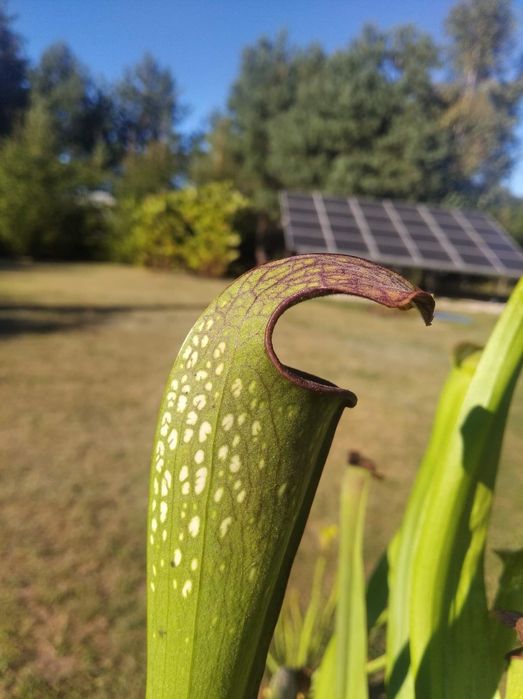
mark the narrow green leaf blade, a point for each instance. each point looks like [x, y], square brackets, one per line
[324, 679]
[515, 679]
[351, 618]
[311, 628]
[378, 590]
[402, 549]
[451, 633]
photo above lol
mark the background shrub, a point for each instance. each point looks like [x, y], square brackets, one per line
[192, 228]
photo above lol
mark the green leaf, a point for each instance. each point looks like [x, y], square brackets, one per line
[344, 668]
[351, 617]
[311, 625]
[299, 639]
[515, 679]
[324, 679]
[451, 633]
[378, 591]
[239, 449]
[401, 550]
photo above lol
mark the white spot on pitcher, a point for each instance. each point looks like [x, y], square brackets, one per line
[235, 464]
[228, 422]
[172, 439]
[201, 479]
[193, 359]
[200, 401]
[194, 526]
[282, 489]
[237, 387]
[182, 403]
[192, 418]
[224, 526]
[166, 421]
[204, 431]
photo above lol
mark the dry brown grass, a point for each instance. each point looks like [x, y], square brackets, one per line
[84, 353]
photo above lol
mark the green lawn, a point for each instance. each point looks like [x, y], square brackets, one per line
[84, 353]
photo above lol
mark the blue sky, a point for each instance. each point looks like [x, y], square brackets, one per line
[201, 41]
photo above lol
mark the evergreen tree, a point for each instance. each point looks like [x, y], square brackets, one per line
[485, 91]
[264, 89]
[81, 112]
[213, 156]
[482, 33]
[148, 172]
[13, 73]
[44, 210]
[365, 120]
[148, 105]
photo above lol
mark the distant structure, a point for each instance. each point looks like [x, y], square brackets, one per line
[445, 247]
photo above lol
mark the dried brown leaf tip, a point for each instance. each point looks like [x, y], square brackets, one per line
[356, 458]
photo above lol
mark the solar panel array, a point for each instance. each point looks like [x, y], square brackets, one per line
[401, 235]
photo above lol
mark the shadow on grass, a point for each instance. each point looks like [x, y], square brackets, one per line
[24, 319]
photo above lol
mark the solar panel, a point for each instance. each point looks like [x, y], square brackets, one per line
[400, 234]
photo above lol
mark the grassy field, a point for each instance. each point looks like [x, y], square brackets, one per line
[84, 353]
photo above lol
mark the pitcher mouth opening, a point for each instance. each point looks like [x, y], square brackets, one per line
[317, 384]
[370, 281]
[300, 378]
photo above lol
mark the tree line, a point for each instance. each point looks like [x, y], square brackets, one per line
[92, 170]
